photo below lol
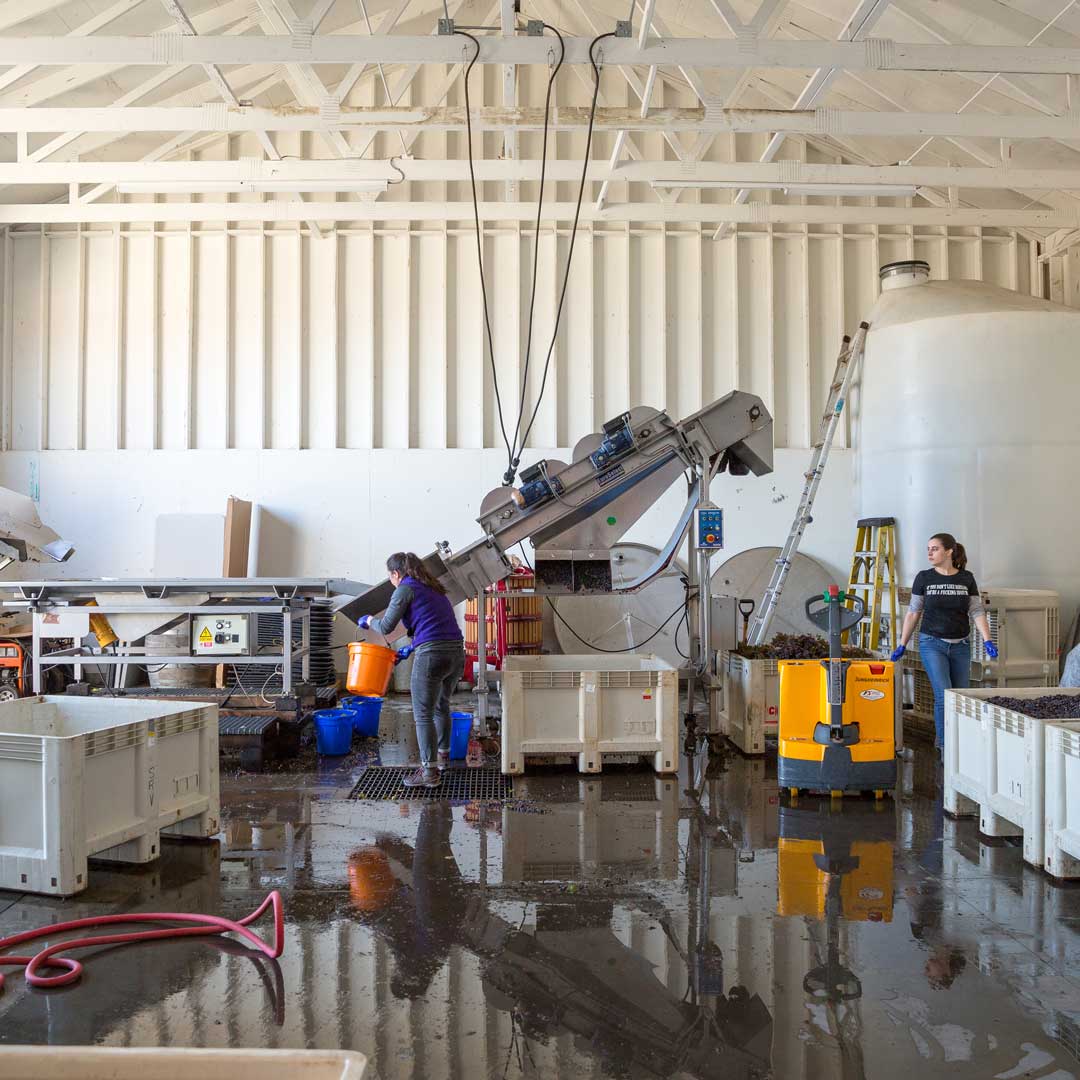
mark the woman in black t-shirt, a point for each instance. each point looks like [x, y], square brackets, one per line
[947, 599]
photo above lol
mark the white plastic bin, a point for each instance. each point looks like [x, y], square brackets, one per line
[591, 707]
[1061, 854]
[751, 701]
[602, 833]
[964, 754]
[1011, 796]
[167, 1063]
[87, 776]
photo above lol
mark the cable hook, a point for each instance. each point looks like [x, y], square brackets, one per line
[398, 170]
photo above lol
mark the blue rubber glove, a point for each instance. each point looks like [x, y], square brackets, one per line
[403, 653]
[898, 652]
[990, 649]
[365, 623]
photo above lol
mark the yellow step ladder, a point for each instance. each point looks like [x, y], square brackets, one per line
[873, 569]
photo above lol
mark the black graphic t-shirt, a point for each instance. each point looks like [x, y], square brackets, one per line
[946, 603]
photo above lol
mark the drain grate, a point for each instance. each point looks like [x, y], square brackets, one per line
[383, 782]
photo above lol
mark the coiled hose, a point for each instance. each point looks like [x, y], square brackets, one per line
[204, 925]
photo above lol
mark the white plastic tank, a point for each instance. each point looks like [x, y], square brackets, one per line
[968, 421]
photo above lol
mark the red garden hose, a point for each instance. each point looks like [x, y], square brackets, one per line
[203, 925]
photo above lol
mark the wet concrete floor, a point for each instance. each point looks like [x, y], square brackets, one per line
[617, 926]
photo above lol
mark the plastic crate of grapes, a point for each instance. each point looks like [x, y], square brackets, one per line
[995, 758]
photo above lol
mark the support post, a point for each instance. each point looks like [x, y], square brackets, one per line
[481, 663]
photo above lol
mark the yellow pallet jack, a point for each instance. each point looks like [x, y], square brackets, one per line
[835, 865]
[836, 729]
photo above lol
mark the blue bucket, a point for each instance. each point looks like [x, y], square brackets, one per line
[365, 711]
[460, 729]
[333, 731]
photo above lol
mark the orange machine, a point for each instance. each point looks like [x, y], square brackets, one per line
[12, 667]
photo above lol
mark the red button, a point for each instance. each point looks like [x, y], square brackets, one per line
[877, 669]
[834, 590]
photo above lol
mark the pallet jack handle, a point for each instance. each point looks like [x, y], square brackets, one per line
[834, 617]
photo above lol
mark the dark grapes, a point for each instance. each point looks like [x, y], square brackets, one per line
[797, 647]
[1049, 707]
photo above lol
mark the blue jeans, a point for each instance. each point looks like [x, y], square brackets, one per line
[948, 666]
[436, 672]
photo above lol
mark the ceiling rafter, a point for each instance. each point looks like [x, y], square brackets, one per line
[55, 83]
[430, 210]
[91, 26]
[137, 93]
[178, 114]
[860, 23]
[877, 54]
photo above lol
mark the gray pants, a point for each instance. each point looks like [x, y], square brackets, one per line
[436, 672]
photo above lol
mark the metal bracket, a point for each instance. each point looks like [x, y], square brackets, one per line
[534, 28]
[624, 28]
[446, 28]
[302, 34]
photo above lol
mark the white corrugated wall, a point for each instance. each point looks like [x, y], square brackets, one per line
[372, 337]
[350, 357]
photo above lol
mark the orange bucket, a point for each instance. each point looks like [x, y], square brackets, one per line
[371, 880]
[370, 668]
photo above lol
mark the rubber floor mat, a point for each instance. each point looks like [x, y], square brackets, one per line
[384, 782]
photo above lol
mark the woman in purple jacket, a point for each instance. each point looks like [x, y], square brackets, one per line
[421, 603]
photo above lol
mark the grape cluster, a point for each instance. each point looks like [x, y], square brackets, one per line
[797, 647]
[1049, 707]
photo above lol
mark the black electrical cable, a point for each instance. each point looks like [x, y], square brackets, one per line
[630, 648]
[480, 254]
[684, 621]
[573, 232]
[536, 248]
[584, 641]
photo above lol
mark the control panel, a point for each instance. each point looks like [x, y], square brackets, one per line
[219, 635]
[708, 528]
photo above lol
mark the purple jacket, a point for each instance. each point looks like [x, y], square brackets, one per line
[427, 613]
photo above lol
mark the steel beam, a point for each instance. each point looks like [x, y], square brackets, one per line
[715, 213]
[873, 54]
[820, 122]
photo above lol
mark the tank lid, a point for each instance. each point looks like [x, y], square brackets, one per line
[896, 275]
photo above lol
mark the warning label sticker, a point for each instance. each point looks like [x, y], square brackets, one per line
[206, 638]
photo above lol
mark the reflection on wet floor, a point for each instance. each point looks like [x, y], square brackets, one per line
[622, 926]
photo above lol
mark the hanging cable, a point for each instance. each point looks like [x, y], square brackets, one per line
[599, 648]
[573, 231]
[536, 249]
[480, 257]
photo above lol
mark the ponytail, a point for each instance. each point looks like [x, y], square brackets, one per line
[408, 564]
[950, 543]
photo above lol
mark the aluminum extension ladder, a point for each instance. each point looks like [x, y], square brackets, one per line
[850, 352]
[873, 567]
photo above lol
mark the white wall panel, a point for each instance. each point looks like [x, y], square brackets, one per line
[100, 346]
[175, 320]
[250, 315]
[65, 285]
[373, 338]
[212, 341]
[24, 320]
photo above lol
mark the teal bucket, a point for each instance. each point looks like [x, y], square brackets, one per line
[333, 731]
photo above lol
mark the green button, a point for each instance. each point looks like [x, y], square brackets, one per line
[611, 521]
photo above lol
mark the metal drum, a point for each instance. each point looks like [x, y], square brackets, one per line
[747, 574]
